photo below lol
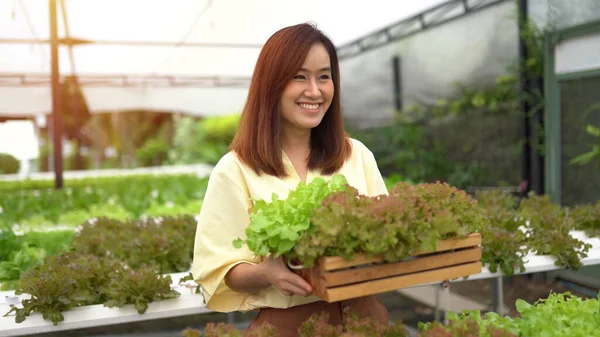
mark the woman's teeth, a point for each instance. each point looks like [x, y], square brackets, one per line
[309, 106]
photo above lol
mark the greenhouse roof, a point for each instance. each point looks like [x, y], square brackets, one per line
[193, 56]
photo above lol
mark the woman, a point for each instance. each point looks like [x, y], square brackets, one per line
[291, 130]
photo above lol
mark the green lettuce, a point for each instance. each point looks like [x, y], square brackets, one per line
[275, 226]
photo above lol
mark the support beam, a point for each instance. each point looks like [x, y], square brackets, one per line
[126, 81]
[532, 165]
[397, 69]
[71, 41]
[432, 17]
[57, 117]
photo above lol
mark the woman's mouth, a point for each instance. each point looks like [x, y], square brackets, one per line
[310, 107]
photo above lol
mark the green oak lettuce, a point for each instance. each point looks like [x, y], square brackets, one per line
[275, 226]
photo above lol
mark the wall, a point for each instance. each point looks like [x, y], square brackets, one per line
[559, 14]
[473, 49]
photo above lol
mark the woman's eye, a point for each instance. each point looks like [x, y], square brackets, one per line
[325, 77]
[299, 77]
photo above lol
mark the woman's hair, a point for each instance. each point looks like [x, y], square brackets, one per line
[258, 139]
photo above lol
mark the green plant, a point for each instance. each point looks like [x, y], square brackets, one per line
[53, 242]
[315, 326]
[138, 287]
[466, 139]
[559, 315]
[549, 231]
[202, 140]
[63, 282]
[153, 153]
[535, 224]
[21, 253]
[72, 279]
[411, 218]
[276, 226]
[134, 195]
[587, 218]
[20, 262]
[221, 329]
[504, 241]
[403, 149]
[9, 243]
[353, 326]
[594, 154]
[319, 219]
[470, 324]
[9, 164]
[162, 243]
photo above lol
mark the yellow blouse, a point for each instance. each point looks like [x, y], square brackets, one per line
[225, 215]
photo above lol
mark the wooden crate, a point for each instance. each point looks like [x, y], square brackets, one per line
[335, 279]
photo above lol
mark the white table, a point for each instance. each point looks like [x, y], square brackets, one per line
[533, 264]
[543, 263]
[190, 304]
[201, 170]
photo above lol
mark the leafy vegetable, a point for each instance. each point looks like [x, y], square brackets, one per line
[587, 218]
[549, 231]
[162, 242]
[138, 287]
[559, 315]
[276, 226]
[504, 241]
[20, 262]
[9, 243]
[22, 201]
[336, 220]
[535, 225]
[72, 279]
[63, 282]
[316, 325]
[411, 218]
[470, 324]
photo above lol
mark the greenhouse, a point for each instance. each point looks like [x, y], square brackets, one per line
[116, 124]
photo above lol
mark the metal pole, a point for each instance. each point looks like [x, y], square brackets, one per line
[436, 313]
[498, 295]
[524, 106]
[56, 108]
[397, 69]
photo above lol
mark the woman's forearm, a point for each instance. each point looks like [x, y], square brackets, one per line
[247, 278]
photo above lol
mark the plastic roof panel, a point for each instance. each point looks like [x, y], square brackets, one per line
[208, 101]
[239, 26]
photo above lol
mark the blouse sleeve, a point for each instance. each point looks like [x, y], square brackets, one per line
[222, 219]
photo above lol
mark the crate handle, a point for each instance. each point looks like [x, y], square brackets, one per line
[293, 266]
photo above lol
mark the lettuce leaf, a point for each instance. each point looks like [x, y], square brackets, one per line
[276, 226]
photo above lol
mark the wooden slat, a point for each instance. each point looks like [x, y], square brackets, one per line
[398, 282]
[316, 278]
[350, 276]
[337, 262]
[445, 245]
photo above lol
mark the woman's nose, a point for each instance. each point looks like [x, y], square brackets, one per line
[312, 89]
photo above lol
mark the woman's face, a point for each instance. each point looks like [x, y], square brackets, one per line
[308, 95]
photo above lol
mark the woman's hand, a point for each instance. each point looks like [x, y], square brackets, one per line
[276, 273]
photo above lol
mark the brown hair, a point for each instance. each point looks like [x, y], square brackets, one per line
[258, 139]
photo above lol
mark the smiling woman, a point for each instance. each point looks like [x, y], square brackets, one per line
[290, 131]
[308, 96]
[298, 65]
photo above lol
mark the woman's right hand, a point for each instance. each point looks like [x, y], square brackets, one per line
[277, 274]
